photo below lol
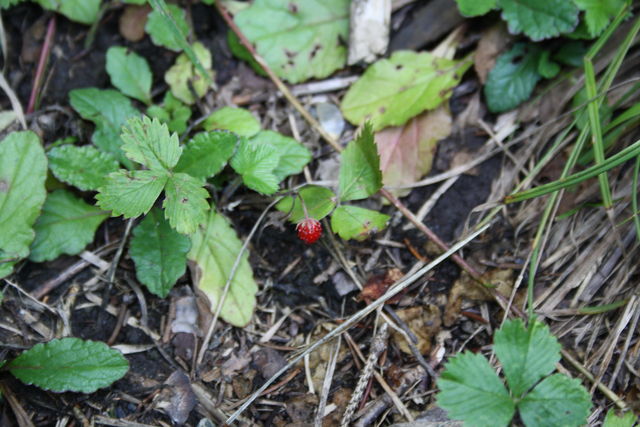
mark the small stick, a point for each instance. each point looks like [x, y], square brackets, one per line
[42, 63]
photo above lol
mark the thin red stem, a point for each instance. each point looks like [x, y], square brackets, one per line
[42, 64]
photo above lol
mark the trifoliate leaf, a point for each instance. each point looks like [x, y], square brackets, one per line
[256, 163]
[131, 193]
[626, 420]
[159, 252]
[539, 19]
[83, 167]
[109, 110]
[360, 175]
[207, 153]
[393, 90]
[214, 249]
[149, 143]
[23, 169]
[172, 112]
[512, 79]
[83, 11]
[471, 391]
[598, 13]
[185, 204]
[236, 120]
[66, 226]
[293, 155]
[182, 77]
[526, 354]
[130, 73]
[353, 222]
[546, 67]
[69, 364]
[475, 7]
[159, 27]
[298, 39]
[319, 202]
[557, 400]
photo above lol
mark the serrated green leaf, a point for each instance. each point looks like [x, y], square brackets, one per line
[298, 39]
[70, 364]
[131, 193]
[109, 110]
[149, 143]
[236, 120]
[182, 77]
[557, 400]
[130, 73]
[185, 204]
[471, 391]
[293, 155]
[598, 13]
[214, 249]
[539, 19]
[172, 112]
[353, 222]
[526, 354]
[546, 67]
[158, 28]
[475, 7]
[512, 79]
[83, 11]
[207, 153]
[83, 167]
[393, 90]
[256, 163]
[626, 420]
[23, 170]
[159, 253]
[360, 175]
[319, 202]
[66, 226]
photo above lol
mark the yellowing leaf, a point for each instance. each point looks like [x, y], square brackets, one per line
[214, 248]
[183, 74]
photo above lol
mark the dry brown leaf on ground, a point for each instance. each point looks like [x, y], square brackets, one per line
[406, 152]
[491, 44]
[132, 22]
[424, 322]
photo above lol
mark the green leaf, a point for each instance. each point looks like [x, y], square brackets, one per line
[526, 354]
[214, 249]
[512, 79]
[182, 77]
[236, 120]
[23, 170]
[149, 143]
[241, 52]
[626, 420]
[598, 13]
[83, 11]
[207, 153]
[557, 400]
[471, 391]
[319, 201]
[393, 90]
[571, 53]
[109, 110]
[539, 19]
[131, 193]
[173, 112]
[185, 202]
[70, 364]
[293, 155]
[256, 163]
[298, 39]
[83, 167]
[352, 222]
[130, 73]
[159, 252]
[360, 175]
[546, 67]
[5, 4]
[66, 226]
[475, 7]
[158, 28]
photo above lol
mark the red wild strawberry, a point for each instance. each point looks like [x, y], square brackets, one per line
[309, 230]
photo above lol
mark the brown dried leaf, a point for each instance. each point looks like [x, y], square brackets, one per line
[177, 400]
[132, 22]
[493, 41]
[406, 152]
[376, 286]
[424, 322]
